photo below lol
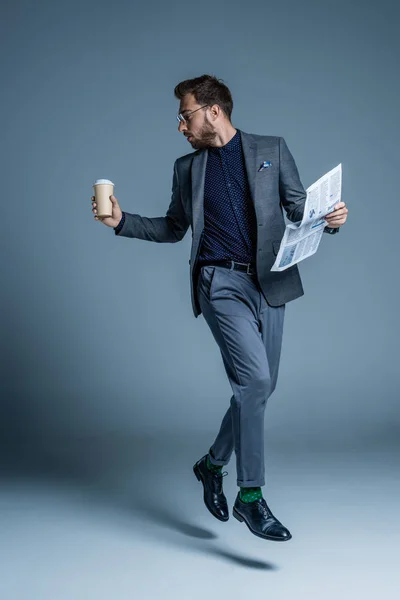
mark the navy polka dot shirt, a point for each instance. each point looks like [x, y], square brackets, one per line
[120, 225]
[230, 226]
[229, 217]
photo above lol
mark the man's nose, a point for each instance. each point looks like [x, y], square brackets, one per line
[181, 126]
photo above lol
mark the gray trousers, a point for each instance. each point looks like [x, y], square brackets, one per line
[249, 334]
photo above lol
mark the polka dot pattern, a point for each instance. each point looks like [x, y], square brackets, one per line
[230, 224]
[250, 494]
[212, 467]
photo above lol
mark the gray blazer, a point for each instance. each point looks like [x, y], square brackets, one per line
[272, 189]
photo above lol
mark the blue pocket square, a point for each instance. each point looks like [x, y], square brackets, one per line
[265, 165]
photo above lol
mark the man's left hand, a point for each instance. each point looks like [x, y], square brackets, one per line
[338, 216]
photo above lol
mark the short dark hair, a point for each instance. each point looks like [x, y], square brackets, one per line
[207, 89]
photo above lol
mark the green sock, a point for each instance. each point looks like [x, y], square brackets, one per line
[211, 467]
[249, 494]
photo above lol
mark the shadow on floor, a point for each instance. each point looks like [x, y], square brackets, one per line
[122, 476]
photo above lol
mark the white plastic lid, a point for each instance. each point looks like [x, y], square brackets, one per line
[99, 181]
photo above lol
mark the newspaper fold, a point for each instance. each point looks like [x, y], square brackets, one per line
[302, 239]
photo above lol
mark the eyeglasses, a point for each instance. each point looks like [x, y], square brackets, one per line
[183, 119]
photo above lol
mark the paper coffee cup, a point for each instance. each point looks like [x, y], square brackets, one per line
[103, 189]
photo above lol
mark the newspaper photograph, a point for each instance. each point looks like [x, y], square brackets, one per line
[302, 239]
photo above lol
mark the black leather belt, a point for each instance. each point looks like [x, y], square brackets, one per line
[249, 268]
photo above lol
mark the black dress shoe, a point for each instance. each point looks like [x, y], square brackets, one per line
[214, 497]
[260, 520]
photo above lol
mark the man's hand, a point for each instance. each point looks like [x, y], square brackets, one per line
[116, 213]
[338, 216]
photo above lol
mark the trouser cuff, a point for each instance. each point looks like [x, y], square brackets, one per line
[214, 461]
[253, 483]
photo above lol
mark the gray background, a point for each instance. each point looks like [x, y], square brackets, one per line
[101, 350]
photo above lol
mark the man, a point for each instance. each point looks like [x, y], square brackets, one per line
[235, 210]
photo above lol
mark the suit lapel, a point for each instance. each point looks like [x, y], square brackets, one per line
[198, 177]
[262, 183]
[250, 159]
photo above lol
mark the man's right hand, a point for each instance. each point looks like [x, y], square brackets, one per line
[116, 213]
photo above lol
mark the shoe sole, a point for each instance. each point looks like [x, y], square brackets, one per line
[264, 537]
[199, 478]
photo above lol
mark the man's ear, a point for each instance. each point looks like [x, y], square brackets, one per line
[215, 110]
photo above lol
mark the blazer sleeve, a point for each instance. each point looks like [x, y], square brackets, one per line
[291, 191]
[170, 228]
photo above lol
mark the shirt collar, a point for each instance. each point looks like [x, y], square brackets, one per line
[232, 146]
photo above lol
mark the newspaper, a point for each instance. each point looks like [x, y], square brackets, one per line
[302, 239]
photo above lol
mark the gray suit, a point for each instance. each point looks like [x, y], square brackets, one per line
[271, 189]
[244, 312]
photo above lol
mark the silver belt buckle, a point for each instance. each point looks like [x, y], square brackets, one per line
[232, 265]
[247, 270]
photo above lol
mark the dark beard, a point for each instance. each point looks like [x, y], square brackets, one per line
[206, 137]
